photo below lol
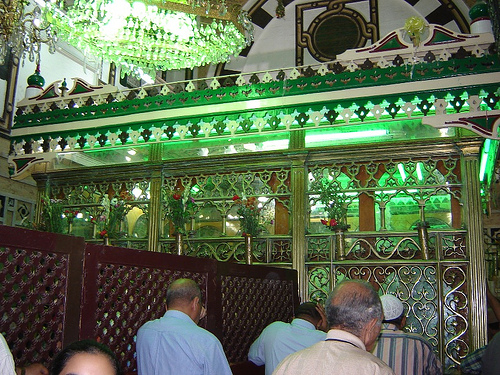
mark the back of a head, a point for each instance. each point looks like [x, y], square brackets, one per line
[352, 305]
[83, 346]
[308, 311]
[181, 292]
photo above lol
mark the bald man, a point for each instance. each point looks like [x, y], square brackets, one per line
[354, 314]
[175, 344]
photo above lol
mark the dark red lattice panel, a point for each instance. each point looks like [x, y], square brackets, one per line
[127, 296]
[251, 302]
[57, 289]
[34, 293]
[34, 284]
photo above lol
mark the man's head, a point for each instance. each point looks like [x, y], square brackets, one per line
[393, 310]
[355, 307]
[185, 295]
[309, 311]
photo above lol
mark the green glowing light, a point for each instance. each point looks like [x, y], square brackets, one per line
[487, 160]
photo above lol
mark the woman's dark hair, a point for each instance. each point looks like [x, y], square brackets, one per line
[83, 346]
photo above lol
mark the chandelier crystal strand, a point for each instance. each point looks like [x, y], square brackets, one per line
[23, 33]
[153, 35]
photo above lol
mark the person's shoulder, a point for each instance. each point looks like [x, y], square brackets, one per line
[378, 367]
[300, 354]
[162, 324]
[407, 336]
[277, 325]
[417, 337]
[149, 325]
[494, 345]
[496, 338]
[201, 332]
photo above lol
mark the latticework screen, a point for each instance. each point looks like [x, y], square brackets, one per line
[386, 200]
[58, 289]
[40, 289]
[125, 288]
[252, 301]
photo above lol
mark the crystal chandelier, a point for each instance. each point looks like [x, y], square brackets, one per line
[23, 33]
[153, 35]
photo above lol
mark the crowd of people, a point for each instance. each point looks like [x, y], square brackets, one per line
[358, 332]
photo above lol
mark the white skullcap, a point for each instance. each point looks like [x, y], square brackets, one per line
[392, 306]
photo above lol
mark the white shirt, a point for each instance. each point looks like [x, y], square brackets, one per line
[341, 353]
[7, 366]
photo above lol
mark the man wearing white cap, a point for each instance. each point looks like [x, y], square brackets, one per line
[405, 353]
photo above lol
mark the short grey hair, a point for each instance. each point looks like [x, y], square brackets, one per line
[182, 291]
[352, 305]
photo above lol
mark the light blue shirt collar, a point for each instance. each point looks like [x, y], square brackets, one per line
[179, 315]
[302, 323]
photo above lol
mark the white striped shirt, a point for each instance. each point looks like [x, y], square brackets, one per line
[406, 353]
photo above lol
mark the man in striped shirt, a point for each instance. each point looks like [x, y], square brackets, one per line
[405, 353]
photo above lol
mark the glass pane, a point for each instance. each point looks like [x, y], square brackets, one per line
[438, 211]
[208, 222]
[137, 223]
[401, 213]
[317, 213]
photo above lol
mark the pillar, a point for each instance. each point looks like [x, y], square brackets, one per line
[155, 201]
[298, 187]
[473, 221]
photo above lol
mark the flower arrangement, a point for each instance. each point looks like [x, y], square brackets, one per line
[54, 218]
[70, 215]
[113, 213]
[335, 209]
[180, 206]
[415, 27]
[51, 216]
[249, 212]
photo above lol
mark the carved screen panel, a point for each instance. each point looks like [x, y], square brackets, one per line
[386, 203]
[39, 310]
[126, 288]
[252, 298]
[435, 299]
[211, 218]
[398, 193]
[455, 311]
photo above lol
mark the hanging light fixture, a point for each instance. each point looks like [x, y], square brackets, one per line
[153, 34]
[23, 33]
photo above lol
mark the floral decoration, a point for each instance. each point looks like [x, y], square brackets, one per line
[113, 213]
[335, 208]
[249, 212]
[180, 207]
[415, 27]
[51, 216]
[70, 215]
[280, 9]
[54, 218]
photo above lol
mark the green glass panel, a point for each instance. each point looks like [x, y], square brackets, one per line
[402, 212]
[208, 222]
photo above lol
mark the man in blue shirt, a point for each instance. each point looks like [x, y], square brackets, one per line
[175, 344]
[280, 339]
